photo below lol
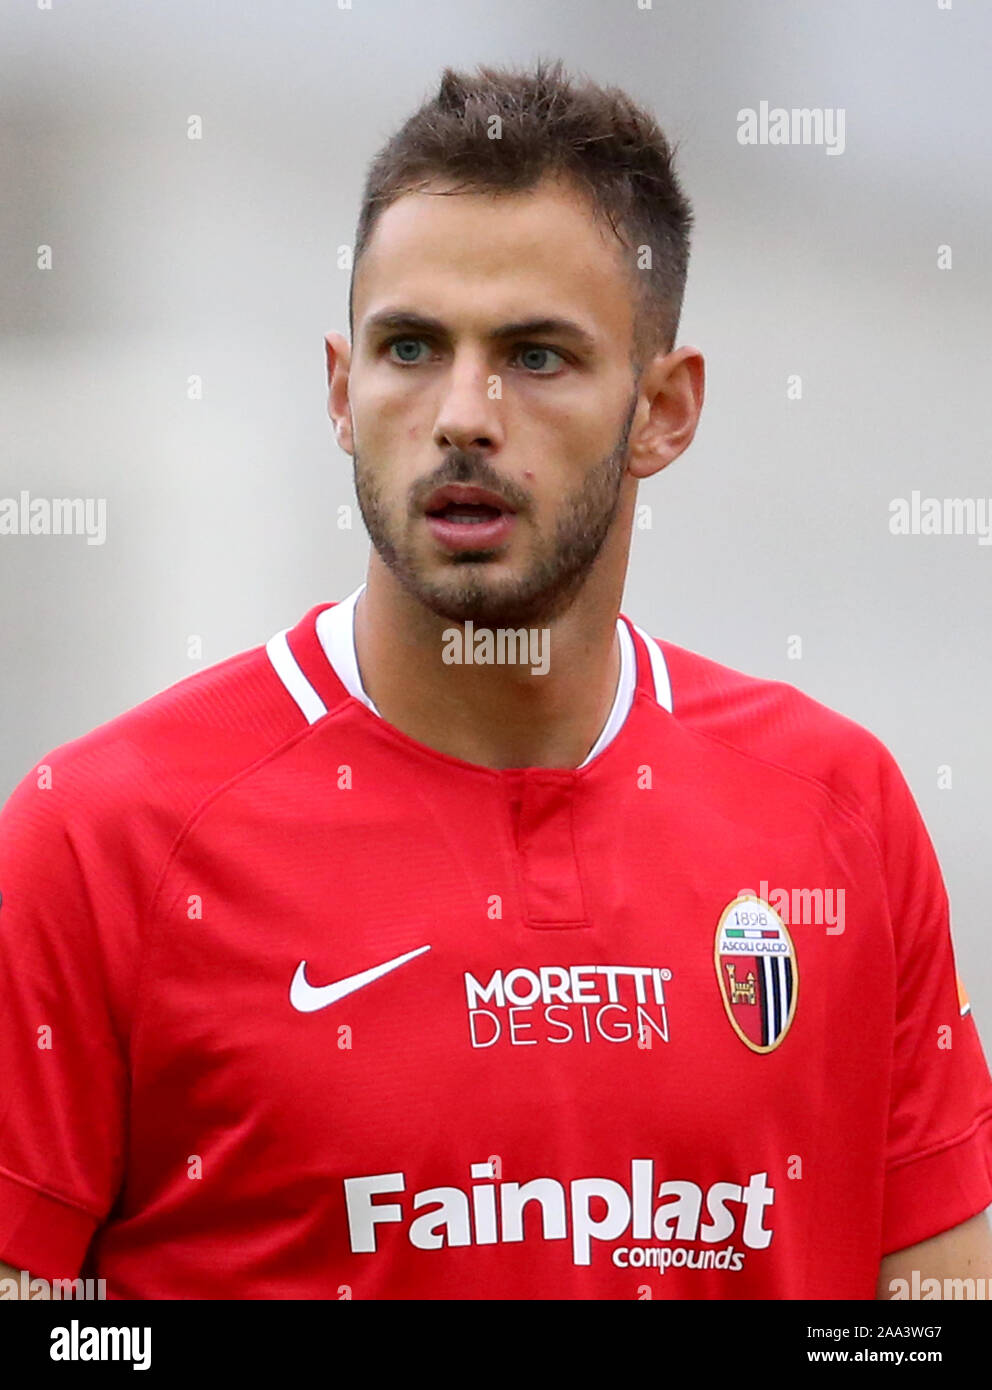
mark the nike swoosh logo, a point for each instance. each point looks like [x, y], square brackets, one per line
[307, 998]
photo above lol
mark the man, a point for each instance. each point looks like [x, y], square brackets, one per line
[428, 951]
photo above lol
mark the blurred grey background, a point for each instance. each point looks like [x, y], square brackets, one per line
[218, 258]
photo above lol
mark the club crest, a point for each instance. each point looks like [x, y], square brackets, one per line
[757, 970]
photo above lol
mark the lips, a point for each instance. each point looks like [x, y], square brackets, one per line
[469, 521]
[462, 502]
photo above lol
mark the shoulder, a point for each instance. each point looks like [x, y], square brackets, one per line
[129, 785]
[780, 725]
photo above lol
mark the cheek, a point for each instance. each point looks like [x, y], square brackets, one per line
[394, 418]
[379, 426]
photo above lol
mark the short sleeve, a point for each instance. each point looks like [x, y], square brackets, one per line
[939, 1145]
[63, 1070]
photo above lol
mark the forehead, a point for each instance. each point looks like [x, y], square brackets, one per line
[507, 254]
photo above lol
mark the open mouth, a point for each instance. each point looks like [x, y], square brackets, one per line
[469, 524]
[467, 513]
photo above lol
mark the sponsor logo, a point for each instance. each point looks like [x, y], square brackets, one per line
[558, 1004]
[586, 1211]
[757, 972]
[307, 997]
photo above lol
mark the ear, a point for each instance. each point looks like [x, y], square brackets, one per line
[672, 388]
[338, 354]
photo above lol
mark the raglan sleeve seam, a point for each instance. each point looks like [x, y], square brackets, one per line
[152, 904]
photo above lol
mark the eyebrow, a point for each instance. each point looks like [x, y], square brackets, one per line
[407, 318]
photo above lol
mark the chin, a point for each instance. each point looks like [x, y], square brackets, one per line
[493, 606]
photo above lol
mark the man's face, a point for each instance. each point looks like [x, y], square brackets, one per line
[537, 416]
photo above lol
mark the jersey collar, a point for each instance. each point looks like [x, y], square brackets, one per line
[319, 654]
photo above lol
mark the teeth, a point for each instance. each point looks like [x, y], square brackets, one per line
[471, 518]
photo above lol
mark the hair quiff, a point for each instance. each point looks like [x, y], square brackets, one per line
[550, 125]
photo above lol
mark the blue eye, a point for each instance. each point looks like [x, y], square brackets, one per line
[545, 350]
[526, 349]
[405, 342]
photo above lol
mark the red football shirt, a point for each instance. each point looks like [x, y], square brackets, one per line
[296, 1006]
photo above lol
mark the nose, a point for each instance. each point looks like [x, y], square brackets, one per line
[468, 415]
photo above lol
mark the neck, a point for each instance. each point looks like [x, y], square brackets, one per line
[545, 708]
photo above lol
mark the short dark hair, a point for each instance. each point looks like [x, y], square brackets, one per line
[550, 125]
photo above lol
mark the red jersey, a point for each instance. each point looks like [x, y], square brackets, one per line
[295, 1006]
